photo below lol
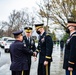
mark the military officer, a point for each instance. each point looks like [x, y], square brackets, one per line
[70, 50]
[45, 48]
[61, 47]
[18, 53]
[30, 44]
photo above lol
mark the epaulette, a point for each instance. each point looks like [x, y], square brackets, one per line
[74, 35]
[47, 34]
[37, 50]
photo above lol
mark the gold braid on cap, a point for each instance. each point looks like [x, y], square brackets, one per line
[28, 31]
[38, 27]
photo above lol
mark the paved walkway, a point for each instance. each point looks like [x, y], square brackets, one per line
[56, 65]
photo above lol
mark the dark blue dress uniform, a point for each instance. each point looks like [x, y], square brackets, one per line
[45, 47]
[70, 53]
[18, 53]
[30, 44]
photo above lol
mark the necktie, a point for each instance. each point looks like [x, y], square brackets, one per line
[29, 39]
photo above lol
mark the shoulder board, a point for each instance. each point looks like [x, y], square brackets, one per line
[74, 35]
[47, 34]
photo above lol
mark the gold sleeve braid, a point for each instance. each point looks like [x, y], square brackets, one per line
[22, 72]
[71, 62]
[47, 57]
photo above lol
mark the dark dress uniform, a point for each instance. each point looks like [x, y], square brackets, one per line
[18, 53]
[45, 47]
[70, 53]
[31, 46]
[61, 45]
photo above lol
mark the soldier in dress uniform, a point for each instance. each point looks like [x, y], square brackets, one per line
[70, 50]
[19, 53]
[30, 44]
[61, 47]
[45, 48]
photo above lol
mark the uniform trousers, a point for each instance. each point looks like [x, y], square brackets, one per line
[42, 69]
[68, 72]
[24, 72]
[28, 71]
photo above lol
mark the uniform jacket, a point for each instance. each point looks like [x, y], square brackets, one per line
[70, 52]
[19, 52]
[30, 45]
[45, 47]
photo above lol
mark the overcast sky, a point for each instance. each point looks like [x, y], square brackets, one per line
[7, 6]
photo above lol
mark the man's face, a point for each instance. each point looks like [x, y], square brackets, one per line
[38, 31]
[71, 26]
[20, 37]
[28, 34]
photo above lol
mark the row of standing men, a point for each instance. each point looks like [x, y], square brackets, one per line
[23, 48]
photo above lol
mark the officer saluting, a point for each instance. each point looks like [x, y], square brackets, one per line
[70, 50]
[19, 52]
[30, 44]
[45, 47]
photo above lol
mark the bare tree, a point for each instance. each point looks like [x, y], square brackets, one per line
[18, 20]
[3, 27]
[57, 11]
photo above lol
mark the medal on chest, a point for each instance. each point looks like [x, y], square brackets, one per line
[43, 39]
[32, 42]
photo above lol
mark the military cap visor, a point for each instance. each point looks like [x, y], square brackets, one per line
[71, 23]
[37, 26]
[18, 32]
[28, 29]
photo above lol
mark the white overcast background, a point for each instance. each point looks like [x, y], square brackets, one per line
[7, 6]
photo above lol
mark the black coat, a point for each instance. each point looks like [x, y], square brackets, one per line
[45, 47]
[70, 52]
[19, 52]
[61, 44]
[30, 45]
